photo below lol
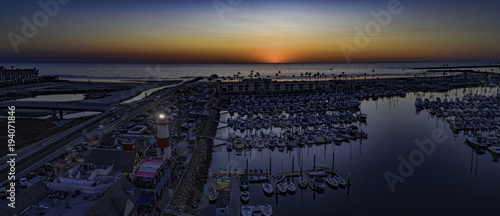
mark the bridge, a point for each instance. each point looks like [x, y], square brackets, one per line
[49, 105]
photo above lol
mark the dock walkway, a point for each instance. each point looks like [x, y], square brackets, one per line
[235, 196]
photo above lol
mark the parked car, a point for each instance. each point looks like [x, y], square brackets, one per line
[23, 182]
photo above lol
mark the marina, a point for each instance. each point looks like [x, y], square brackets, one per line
[250, 152]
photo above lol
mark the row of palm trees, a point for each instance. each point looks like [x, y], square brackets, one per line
[3, 68]
[303, 76]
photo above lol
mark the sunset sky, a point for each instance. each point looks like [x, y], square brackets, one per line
[253, 31]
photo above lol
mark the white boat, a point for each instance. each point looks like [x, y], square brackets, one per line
[279, 178]
[354, 102]
[256, 179]
[339, 180]
[319, 182]
[332, 182]
[495, 149]
[267, 210]
[256, 210]
[282, 187]
[302, 182]
[246, 210]
[318, 173]
[260, 144]
[213, 195]
[476, 139]
[281, 144]
[290, 187]
[419, 103]
[245, 196]
[268, 188]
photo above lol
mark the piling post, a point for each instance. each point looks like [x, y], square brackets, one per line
[314, 165]
[293, 164]
[246, 171]
[270, 168]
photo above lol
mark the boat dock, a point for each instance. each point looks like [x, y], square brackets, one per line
[235, 203]
[297, 174]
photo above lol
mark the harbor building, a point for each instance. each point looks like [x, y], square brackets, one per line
[151, 179]
[128, 162]
[17, 76]
[265, 86]
[86, 178]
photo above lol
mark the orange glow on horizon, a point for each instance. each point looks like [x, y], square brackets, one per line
[273, 56]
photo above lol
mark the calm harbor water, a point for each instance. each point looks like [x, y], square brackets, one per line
[152, 70]
[55, 98]
[453, 180]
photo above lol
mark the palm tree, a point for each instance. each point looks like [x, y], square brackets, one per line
[257, 74]
[373, 72]
[365, 76]
[213, 77]
[251, 75]
[293, 77]
[301, 75]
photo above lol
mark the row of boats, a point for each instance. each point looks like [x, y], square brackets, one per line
[256, 210]
[318, 178]
[477, 114]
[287, 120]
[293, 104]
[290, 140]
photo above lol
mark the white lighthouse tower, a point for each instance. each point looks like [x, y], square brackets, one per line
[162, 120]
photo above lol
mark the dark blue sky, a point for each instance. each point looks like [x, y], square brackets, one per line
[250, 31]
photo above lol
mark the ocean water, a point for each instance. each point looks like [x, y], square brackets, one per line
[453, 180]
[151, 70]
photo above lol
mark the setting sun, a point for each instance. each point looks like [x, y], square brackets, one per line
[274, 57]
